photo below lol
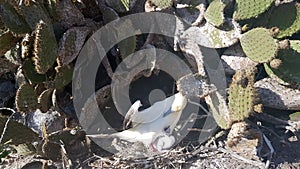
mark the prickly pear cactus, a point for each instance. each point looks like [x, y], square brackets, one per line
[259, 45]
[45, 47]
[26, 99]
[287, 70]
[71, 44]
[242, 96]
[246, 9]
[289, 23]
[215, 13]
[31, 73]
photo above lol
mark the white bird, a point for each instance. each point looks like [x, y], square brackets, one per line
[154, 125]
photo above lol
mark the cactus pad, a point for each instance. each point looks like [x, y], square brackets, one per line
[215, 13]
[288, 70]
[45, 48]
[289, 23]
[259, 45]
[242, 96]
[26, 99]
[246, 9]
[30, 72]
[71, 44]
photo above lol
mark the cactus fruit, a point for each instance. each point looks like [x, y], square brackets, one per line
[162, 4]
[71, 44]
[289, 23]
[45, 48]
[246, 9]
[26, 99]
[259, 45]
[12, 19]
[287, 70]
[242, 95]
[215, 13]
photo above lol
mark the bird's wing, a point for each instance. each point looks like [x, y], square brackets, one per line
[152, 113]
[130, 113]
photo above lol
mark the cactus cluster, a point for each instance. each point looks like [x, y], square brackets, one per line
[33, 39]
[266, 37]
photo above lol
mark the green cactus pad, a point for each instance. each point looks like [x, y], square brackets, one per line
[26, 99]
[246, 9]
[242, 95]
[215, 13]
[45, 100]
[17, 133]
[289, 23]
[288, 70]
[64, 75]
[119, 5]
[30, 72]
[12, 20]
[7, 41]
[45, 48]
[71, 44]
[259, 45]
[162, 4]
[34, 12]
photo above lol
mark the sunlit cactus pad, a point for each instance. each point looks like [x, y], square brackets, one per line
[214, 13]
[259, 45]
[242, 95]
[246, 9]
